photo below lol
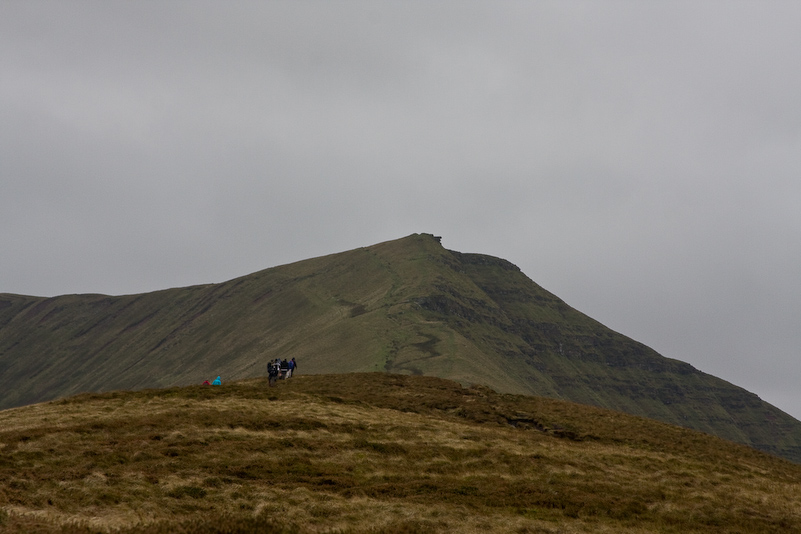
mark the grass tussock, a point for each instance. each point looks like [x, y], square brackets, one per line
[373, 453]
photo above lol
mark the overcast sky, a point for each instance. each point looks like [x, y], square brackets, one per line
[641, 160]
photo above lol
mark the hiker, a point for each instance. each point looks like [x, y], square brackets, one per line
[217, 382]
[294, 365]
[291, 368]
[284, 368]
[272, 373]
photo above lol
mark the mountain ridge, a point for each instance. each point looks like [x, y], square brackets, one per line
[406, 306]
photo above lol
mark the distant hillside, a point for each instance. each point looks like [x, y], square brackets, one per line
[405, 306]
[374, 453]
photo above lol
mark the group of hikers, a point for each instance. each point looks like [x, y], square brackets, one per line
[281, 369]
[217, 382]
[277, 369]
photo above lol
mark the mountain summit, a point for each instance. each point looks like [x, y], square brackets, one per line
[407, 306]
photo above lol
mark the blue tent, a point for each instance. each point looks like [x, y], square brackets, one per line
[217, 382]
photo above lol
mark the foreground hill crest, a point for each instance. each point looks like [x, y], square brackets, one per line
[373, 453]
[407, 306]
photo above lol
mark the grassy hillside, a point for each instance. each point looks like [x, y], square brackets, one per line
[374, 453]
[407, 306]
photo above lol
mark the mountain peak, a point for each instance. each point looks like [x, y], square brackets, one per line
[406, 306]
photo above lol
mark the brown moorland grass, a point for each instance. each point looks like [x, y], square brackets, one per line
[373, 453]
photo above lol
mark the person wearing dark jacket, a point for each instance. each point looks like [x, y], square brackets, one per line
[272, 372]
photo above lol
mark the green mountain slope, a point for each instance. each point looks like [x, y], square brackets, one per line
[406, 306]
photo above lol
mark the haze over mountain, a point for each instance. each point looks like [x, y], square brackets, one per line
[406, 306]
